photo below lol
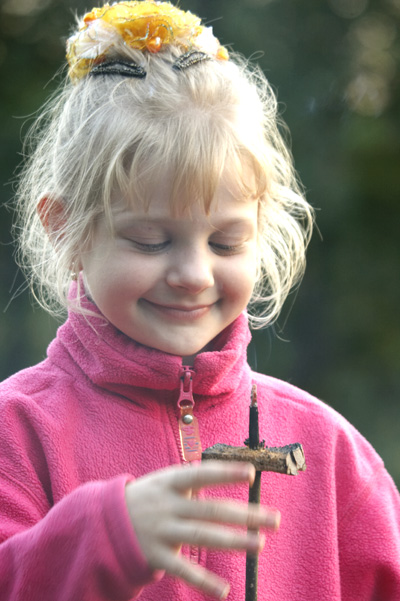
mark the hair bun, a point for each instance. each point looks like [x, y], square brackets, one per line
[143, 25]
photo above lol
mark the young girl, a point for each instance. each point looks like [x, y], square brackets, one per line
[161, 186]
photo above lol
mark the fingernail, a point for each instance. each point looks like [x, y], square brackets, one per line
[272, 520]
[276, 520]
[224, 593]
[256, 543]
[248, 471]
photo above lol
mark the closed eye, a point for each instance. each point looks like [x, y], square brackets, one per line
[149, 248]
[226, 249]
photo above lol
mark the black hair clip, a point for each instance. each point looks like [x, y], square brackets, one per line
[118, 67]
[192, 57]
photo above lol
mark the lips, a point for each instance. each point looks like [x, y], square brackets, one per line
[180, 312]
[183, 307]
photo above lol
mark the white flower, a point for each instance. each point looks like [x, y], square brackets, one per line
[207, 42]
[94, 41]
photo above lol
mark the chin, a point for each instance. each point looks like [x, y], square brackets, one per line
[187, 353]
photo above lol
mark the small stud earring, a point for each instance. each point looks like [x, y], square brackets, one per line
[74, 274]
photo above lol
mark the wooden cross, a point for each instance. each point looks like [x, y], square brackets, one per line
[287, 460]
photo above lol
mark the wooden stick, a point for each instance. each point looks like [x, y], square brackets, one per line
[287, 460]
[254, 497]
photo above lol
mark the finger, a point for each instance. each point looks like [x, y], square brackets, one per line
[225, 512]
[210, 473]
[210, 536]
[195, 575]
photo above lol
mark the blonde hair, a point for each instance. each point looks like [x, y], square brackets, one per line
[111, 132]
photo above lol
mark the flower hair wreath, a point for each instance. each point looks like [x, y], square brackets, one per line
[145, 25]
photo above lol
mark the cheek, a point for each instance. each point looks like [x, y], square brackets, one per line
[239, 279]
[101, 275]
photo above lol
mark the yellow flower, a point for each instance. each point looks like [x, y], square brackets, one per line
[141, 24]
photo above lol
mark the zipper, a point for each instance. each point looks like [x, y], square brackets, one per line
[188, 432]
[188, 425]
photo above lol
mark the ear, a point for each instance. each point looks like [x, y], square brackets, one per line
[52, 215]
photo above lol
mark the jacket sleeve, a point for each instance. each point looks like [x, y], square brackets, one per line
[83, 548]
[369, 542]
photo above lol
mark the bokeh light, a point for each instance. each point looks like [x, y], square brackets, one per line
[375, 31]
[349, 9]
[368, 94]
[22, 8]
[373, 65]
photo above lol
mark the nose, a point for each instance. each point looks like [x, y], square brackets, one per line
[191, 270]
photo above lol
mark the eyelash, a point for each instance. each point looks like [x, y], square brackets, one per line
[150, 248]
[226, 249]
[223, 249]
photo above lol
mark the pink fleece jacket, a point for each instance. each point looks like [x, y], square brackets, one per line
[101, 410]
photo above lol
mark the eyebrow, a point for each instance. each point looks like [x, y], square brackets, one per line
[126, 220]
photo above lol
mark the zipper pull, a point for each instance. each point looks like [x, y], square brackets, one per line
[188, 424]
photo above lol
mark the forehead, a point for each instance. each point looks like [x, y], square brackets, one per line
[162, 201]
[226, 213]
[166, 190]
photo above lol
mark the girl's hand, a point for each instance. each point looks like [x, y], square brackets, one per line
[165, 516]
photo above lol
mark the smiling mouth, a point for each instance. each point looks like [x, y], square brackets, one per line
[180, 312]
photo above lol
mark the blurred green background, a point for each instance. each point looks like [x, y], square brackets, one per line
[335, 66]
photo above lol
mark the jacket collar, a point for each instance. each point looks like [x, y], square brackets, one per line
[113, 361]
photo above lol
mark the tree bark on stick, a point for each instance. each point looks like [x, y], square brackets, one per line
[284, 460]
